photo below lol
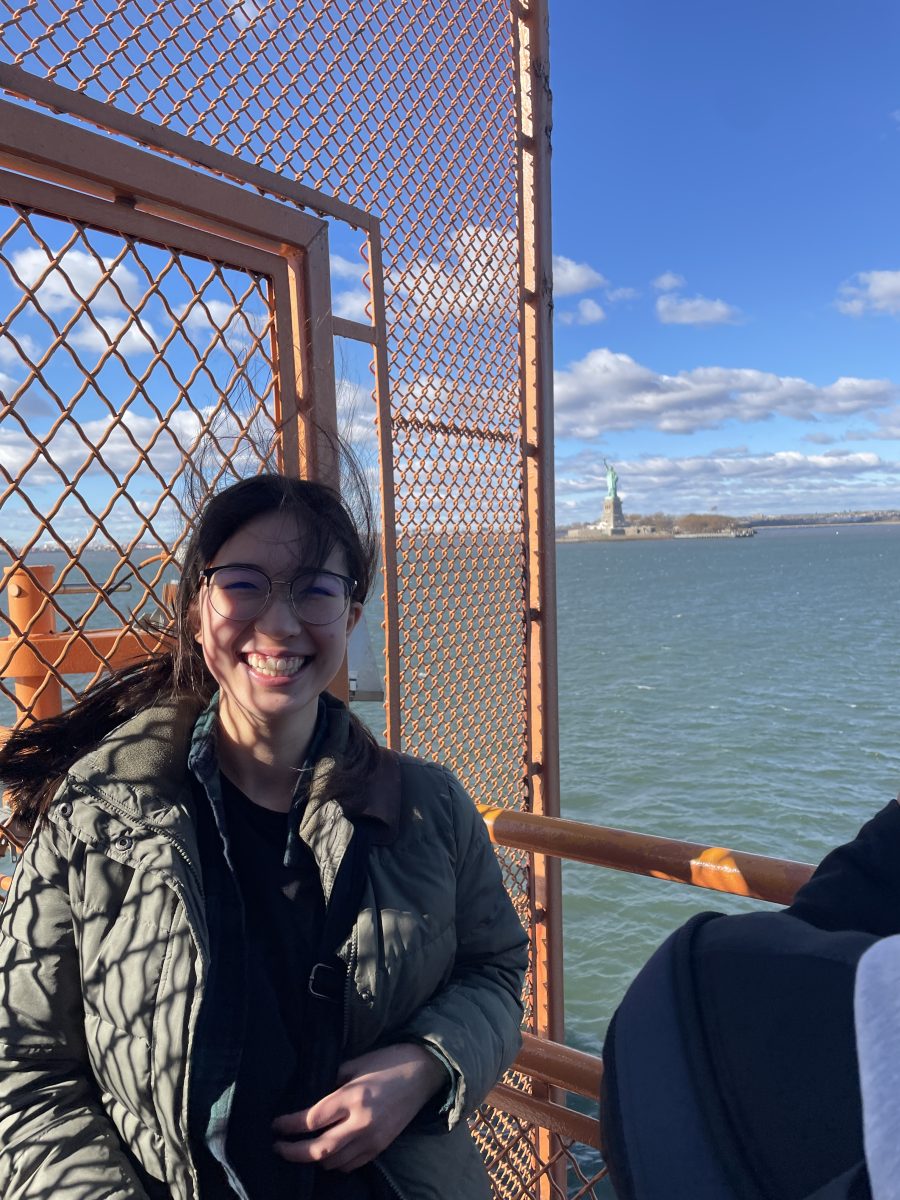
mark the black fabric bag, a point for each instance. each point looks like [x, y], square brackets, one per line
[730, 1067]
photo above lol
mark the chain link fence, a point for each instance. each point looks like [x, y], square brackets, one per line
[125, 356]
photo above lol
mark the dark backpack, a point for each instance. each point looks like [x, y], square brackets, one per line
[730, 1066]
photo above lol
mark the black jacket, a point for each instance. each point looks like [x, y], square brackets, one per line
[857, 886]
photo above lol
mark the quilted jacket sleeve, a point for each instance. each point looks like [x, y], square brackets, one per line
[55, 1139]
[472, 1024]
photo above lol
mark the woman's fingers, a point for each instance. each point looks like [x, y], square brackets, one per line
[382, 1092]
[322, 1114]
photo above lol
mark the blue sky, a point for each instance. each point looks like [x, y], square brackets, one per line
[725, 193]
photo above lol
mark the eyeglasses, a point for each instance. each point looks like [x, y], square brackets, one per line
[241, 593]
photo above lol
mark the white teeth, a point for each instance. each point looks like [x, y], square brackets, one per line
[266, 665]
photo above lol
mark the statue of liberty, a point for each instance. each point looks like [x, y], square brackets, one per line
[612, 480]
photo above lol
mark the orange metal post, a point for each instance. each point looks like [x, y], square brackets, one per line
[537, 389]
[530, 28]
[30, 612]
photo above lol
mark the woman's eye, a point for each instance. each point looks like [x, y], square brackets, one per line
[239, 581]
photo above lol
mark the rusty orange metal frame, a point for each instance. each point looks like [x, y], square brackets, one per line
[536, 308]
[19, 82]
[559, 1068]
[68, 171]
[169, 204]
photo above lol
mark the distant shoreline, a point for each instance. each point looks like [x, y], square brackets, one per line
[761, 526]
[832, 523]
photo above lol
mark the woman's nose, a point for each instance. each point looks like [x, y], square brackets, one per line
[279, 612]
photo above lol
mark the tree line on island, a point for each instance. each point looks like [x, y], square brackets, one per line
[666, 523]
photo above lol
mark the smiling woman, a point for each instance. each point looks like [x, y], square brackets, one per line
[270, 660]
[247, 951]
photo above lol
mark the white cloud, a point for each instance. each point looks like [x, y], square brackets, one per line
[352, 305]
[731, 482]
[73, 278]
[245, 13]
[7, 385]
[895, 115]
[820, 439]
[345, 268]
[606, 391]
[30, 406]
[588, 312]
[138, 338]
[69, 450]
[668, 281]
[696, 310]
[356, 417]
[614, 295]
[870, 292]
[886, 427]
[10, 355]
[209, 315]
[571, 277]
[241, 326]
[477, 271]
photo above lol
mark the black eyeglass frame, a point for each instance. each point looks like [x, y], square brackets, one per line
[208, 573]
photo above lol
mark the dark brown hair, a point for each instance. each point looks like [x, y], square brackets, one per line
[35, 758]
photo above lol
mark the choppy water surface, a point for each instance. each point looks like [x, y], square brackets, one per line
[742, 693]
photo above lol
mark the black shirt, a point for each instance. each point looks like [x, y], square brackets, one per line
[284, 911]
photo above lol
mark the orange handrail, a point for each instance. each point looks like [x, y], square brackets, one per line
[714, 867]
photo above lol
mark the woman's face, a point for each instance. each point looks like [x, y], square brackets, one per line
[271, 670]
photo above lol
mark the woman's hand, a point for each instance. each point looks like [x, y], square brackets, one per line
[378, 1094]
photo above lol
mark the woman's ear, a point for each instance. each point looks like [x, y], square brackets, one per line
[193, 618]
[354, 612]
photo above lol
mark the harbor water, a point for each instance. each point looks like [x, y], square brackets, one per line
[741, 693]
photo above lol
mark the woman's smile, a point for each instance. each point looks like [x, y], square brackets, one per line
[276, 664]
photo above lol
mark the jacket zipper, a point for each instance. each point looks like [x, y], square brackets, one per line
[348, 980]
[387, 1179]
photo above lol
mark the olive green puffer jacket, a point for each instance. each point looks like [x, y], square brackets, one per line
[104, 953]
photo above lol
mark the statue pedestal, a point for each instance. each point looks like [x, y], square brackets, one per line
[613, 519]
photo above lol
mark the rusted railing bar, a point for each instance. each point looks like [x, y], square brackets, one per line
[503, 437]
[133, 173]
[547, 1115]
[715, 867]
[73, 653]
[355, 330]
[560, 1066]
